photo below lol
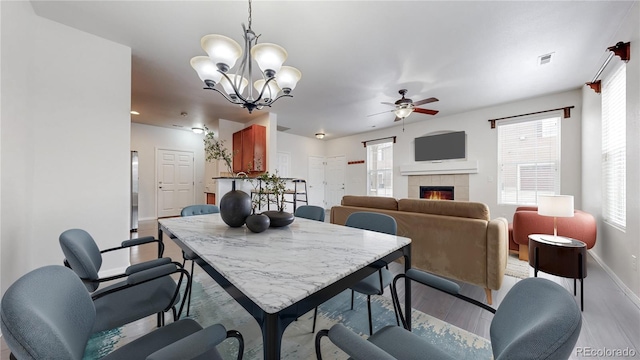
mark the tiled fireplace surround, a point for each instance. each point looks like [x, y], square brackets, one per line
[460, 183]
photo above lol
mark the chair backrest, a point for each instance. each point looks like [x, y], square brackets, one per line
[199, 210]
[47, 314]
[538, 319]
[310, 212]
[82, 255]
[373, 221]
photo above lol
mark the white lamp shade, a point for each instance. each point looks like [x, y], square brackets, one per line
[403, 112]
[221, 49]
[288, 77]
[206, 69]
[270, 92]
[269, 56]
[228, 88]
[555, 205]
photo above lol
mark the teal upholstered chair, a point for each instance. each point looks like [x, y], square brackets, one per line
[192, 210]
[375, 283]
[538, 319]
[48, 314]
[122, 301]
[311, 212]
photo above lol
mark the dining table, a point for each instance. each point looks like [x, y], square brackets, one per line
[282, 273]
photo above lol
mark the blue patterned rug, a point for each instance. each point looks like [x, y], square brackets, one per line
[210, 304]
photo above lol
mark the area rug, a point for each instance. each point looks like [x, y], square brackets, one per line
[516, 267]
[210, 304]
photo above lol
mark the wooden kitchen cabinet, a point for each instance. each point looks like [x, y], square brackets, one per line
[250, 148]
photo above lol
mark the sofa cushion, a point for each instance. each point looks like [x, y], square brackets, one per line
[376, 202]
[465, 209]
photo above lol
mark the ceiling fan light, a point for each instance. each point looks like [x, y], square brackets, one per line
[269, 57]
[229, 87]
[223, 51]
[288, 78]
[403, 112]
[270, 92]
[206, 69]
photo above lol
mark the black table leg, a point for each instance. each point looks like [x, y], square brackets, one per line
[535, 262]
[581, 283]
[272, 330]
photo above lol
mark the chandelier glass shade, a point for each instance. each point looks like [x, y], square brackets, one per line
[275, 81]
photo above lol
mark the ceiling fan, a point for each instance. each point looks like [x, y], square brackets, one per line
[404, 107]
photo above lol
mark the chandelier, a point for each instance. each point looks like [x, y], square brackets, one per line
[276, 81]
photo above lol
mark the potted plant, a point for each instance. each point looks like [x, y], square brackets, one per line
[235, 205]
[275, 188]
[257, 222]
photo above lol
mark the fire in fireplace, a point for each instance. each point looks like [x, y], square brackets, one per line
[436, 192]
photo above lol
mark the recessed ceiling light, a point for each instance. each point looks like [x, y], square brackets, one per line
[197, 130]
[320, 136]
[133, 112]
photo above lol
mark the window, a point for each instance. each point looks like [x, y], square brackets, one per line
[380, 168]
[528, 160]
[614, 144]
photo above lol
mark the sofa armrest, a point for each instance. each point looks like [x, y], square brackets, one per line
[497, 251]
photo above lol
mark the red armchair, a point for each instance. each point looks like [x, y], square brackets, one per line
[526, 221]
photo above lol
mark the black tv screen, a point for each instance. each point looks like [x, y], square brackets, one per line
[441, 147]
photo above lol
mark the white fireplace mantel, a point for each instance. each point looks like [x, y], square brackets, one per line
[440, 168]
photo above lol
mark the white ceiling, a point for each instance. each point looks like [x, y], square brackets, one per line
[355, 54]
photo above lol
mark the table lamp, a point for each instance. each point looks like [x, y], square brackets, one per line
[556, 206]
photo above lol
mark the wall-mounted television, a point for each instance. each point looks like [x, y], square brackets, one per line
[441, 147]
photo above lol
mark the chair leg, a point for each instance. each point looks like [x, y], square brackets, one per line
[352, 295]
[190, 287]
[395, 310]
[159, 319]
[315, 315]
[369, 312]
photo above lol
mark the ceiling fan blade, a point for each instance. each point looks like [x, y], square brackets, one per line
[388, 103]
[425, 101]
[397, 119]
[384, 112]
[425, 111]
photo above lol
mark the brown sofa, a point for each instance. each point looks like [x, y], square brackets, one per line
[526, 221]
[454, 239]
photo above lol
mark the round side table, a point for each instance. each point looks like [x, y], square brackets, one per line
[560, 256]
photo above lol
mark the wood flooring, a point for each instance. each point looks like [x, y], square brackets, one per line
[610, 319]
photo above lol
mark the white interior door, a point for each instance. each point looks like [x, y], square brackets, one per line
[335, 180]
[284, 164]
[315, 183]
[175, 173]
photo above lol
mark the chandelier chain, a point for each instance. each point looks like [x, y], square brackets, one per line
[250, 15]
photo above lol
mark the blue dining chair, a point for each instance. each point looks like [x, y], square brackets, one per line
[48, 314]
[311, 212]
[119, 301]
[192, 210]
[537, 319]
[375, 283]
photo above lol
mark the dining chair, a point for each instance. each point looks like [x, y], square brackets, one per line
[311, 212]
[192, 210]
[125, 299]
[48, 314]
[375, 283]
[537, 319]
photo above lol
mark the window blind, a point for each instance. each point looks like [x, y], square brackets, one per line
[528, 159]
[614, 144]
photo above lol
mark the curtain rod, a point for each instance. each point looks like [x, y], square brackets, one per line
[388, 137]
[621, 49]
[566, 114]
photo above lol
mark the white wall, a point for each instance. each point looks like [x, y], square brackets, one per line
[481, 146]
[65, 142]
[613, 246]
[147, 139]
[300, 148]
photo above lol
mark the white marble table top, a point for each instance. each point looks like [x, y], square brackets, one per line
[282, 266]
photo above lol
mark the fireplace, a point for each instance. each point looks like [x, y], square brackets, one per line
[436, 192]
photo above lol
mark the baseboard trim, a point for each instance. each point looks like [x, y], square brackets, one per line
[625, 289]
[147, 218]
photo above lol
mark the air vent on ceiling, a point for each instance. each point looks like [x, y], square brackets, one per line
[282, 128]
[544, 59]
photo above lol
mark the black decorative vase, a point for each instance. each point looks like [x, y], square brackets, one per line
[235, 206]
[258, 223]
[279, 218]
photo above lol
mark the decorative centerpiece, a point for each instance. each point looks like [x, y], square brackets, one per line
[257, 223]
[275, 187]
[235, 205]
